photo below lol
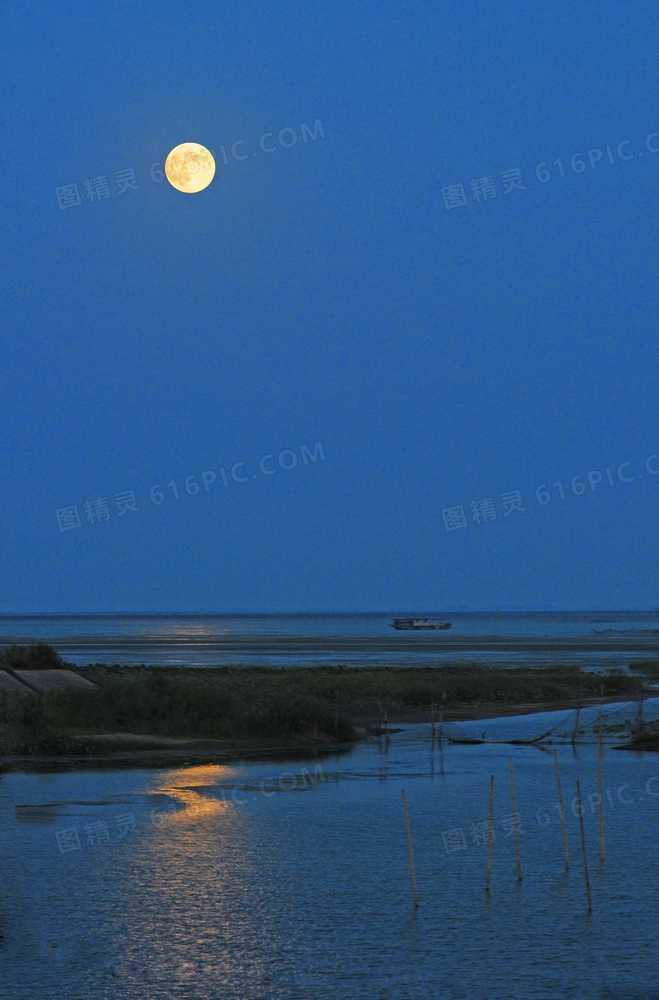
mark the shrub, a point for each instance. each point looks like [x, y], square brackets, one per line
[39, 656]
[26, 727]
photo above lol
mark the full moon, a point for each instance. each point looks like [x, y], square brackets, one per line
[190, 167]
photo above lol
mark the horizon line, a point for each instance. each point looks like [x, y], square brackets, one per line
[326, 611]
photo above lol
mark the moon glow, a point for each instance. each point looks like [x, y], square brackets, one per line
[190, 167]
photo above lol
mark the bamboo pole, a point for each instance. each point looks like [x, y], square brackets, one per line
[441, 742]
[410, 852]
[586, 876]
[490, 837]
[516, 832]
[639, 716]
[576, 726]
[600, 790]
[561, 805]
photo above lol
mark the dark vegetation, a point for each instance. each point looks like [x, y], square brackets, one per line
[259, 702]
[26, 726]
[25, 723]
[646, 740]
[39, 656]
[195, 704]
[649, 668]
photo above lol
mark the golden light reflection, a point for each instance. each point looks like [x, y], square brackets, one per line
[194, 888]
[186, 630]
[192, 631]
[193, 806]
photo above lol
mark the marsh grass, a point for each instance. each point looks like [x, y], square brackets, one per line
[154, 701]
[265, 702]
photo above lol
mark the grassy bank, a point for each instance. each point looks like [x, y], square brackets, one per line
[295, 703]
[160, 703]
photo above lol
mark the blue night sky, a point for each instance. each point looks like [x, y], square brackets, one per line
[445, 345]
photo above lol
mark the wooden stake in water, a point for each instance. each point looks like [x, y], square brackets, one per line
[441, 742]
[600, 789]
[586, 876]
[516, 820]
[490, 837]
[561, 806]
[576, 726]
[410, 852]
[639, 714]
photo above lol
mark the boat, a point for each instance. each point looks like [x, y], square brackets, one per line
[419, 623]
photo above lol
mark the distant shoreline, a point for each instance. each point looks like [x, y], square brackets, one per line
[596, 639]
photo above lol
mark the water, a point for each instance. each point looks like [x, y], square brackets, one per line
[598, 639]
[289, 880]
